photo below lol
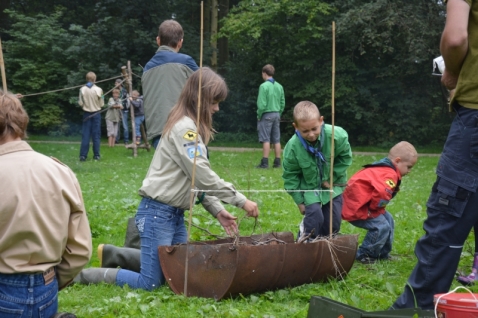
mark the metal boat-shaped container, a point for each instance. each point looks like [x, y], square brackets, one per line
[244, 265]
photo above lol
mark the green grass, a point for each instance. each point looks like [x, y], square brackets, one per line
[110, 192]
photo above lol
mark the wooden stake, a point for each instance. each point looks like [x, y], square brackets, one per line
[2, 67]
[131, 109]
[332, 145]
[191, 202]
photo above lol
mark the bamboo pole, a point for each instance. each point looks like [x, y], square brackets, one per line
[332, 146]
[2, 67]
[191, 202]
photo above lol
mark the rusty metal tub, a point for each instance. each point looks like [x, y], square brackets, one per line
[227, 268]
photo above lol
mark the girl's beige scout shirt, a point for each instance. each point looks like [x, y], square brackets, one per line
[169, 176]
[43, 221]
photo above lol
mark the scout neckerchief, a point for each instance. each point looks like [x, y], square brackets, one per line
[320, 159]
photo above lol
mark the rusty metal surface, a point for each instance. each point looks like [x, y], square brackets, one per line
[225, 268]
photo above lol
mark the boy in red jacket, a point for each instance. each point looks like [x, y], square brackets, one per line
[366, 196]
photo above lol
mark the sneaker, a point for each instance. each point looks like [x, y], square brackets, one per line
[96, 158]
[264, 164]
[466, 280]
[82, 158]
[276, 163]
[367, 260]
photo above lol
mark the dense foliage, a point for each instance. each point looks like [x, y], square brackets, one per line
[384, 91]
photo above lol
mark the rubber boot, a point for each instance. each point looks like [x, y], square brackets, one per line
[470, 279]
[132, 238]
[96, 275]
[264, 163]
[276, 163]
[112, 257]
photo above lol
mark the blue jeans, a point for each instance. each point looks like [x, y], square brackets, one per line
[155, 141]
[451, 214]
[91, 130]
[317, 217]
[379, 238]
[124, 119]
[26, 295]
[158, 224]
[138, 120]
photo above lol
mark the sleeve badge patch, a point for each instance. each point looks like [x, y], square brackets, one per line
[190, 135]
[390, 183]
[191, 153]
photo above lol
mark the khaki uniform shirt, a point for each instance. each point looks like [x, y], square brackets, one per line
[91, 99]
[169, 176]
[43, 221]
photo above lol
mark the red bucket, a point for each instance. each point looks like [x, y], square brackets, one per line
[456, 305]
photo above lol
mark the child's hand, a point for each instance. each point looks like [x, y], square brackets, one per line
[301, 208]
[228, 222]
[251, 208]
[326, 184]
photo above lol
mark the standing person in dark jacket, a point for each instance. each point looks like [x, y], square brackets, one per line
[124, 112]
[137, 102]
[367, 194]
[164, 77]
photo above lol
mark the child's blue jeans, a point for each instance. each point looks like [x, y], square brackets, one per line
[26, 295]
[379, 238]
[158, 224]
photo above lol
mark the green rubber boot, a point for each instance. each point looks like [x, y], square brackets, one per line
[96, 275]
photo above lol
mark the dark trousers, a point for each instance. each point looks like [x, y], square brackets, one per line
[91, 130]
[452, 211]
[317, 217]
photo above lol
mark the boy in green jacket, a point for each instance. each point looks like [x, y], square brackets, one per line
[306, 167]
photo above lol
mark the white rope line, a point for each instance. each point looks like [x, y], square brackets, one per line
[252, 190]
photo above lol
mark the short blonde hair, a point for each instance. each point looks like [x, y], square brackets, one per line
[13, 118]
[91, 77]
[404, 150]
[305, 110]
[116, 91]
[135, 93]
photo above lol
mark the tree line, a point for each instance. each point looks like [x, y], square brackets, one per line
[384, 90]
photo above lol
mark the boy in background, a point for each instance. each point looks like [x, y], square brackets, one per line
[137, 102]
[367, 194]
[113, 116]
[307, 167]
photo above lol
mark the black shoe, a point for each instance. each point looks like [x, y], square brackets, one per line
[82, 158]
[96, 158]
[276, 163]
[264, 164]
[367, 260]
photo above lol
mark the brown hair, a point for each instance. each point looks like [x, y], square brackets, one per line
[213, 90]
[90, 77]
[305, 110]
[268, 69]
[170, 33]
[13, 118]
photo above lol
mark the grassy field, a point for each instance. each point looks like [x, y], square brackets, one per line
[110, 191]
